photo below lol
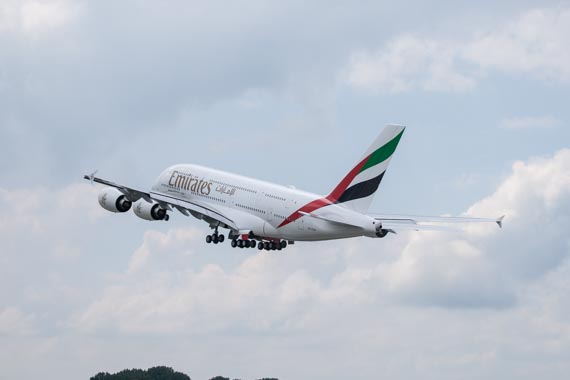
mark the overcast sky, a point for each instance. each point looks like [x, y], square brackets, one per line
[291, 92]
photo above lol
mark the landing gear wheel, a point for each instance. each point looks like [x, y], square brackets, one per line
[208, 239]
[260, 245]
[215, 239]
[240, 243]
[246, 243]
[273, 246]
[253, 244]
[283, 244]
[233, 243]
[221, 238]
[266, 245]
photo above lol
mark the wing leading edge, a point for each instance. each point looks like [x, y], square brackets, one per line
[200, 211]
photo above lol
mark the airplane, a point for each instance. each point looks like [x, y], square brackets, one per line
[270, 216]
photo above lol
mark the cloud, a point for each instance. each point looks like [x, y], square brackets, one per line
[43, 231]
[87, 85]
[544, 122]
[33, 210]
[14, 322]
[534, 42]
[156, 245]
[172, 294]
[408, 63]
[486, 267]
[32, 17]
[482, 268]
[211, 299]
[102, 79]
[83, 92]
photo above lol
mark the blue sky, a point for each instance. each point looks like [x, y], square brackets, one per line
[292, 93]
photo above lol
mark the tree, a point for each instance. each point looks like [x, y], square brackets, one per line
[154, 373]
[101, 376]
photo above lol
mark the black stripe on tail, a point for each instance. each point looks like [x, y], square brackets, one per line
[361, 190]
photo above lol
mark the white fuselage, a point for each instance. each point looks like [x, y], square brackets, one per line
[269, 207]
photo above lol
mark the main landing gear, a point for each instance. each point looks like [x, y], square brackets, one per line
[215, 238]
[267, 245]
[272, 245]
[249, 243]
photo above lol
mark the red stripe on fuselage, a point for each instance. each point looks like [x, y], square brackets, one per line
[308, 208]
[330, 199]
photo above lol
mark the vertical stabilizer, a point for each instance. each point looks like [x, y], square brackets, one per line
[358, 187]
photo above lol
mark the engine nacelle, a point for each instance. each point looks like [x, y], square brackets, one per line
[380, 232]
[113, 200]
[376, 230]
[149, 211]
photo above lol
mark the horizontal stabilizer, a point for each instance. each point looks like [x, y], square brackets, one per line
[500, 221]
[329, 219]
[430, 223]
[393, 226]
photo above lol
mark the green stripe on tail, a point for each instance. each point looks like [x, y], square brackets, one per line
[382, 153]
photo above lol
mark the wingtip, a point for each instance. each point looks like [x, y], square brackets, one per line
[91, 176]
[500, 221]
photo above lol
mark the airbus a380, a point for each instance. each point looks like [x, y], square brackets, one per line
[270, 216]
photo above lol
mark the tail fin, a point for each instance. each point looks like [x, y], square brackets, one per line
[358, 187]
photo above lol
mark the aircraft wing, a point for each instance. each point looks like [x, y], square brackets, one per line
[432, 223]
[131, 194]
[185, 207]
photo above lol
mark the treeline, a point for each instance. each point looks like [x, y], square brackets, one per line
[154, 373]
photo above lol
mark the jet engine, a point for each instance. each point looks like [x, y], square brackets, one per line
[113, 200]
[380, 232]
[376, 230]
[149, 211]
